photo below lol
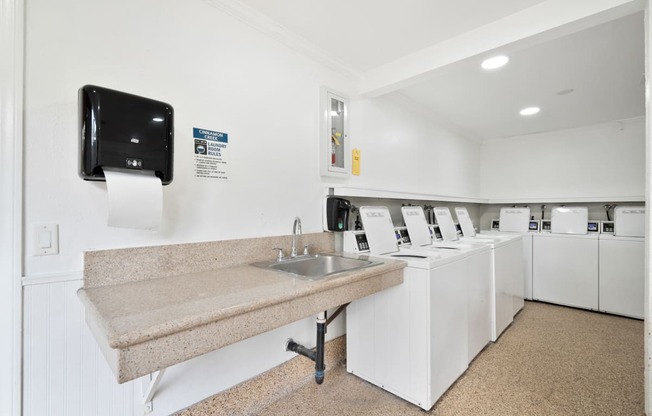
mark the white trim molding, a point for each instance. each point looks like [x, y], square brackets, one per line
[648, 216]
[11, 189]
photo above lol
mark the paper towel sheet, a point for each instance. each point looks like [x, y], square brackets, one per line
[135, 198]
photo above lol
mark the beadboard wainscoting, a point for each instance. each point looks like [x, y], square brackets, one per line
[64, 370]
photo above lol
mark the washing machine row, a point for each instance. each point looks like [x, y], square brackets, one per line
[588, 270]
[416, 339]
[506, 267]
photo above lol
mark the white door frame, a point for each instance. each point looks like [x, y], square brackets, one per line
[11, 203]
[648, 214]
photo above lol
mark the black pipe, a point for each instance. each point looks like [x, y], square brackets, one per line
[299, 349]
[607, 208]
[318, 355]
[319, 359]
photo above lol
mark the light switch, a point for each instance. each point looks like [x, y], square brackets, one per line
[46, 239]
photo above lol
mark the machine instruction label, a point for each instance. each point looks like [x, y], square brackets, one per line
[210, 154]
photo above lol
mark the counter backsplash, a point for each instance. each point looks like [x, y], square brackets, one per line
[115, 266]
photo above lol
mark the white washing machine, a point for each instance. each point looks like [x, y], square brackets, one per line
[565, 261]
[516, 220]
[622, 264]
[411, 339]
[507, 270]
[478, 258]
[515, 267]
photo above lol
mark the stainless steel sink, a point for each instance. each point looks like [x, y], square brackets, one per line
[314, 267]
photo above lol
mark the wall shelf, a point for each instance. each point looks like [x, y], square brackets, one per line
[566, 200]
[390, 194]
[384, 193]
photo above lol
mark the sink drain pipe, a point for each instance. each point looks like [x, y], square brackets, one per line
[316, 355]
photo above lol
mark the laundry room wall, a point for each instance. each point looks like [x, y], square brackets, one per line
[219, 74]
[405, 151]
[601, 162]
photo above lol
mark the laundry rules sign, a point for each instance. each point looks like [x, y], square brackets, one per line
[211, 161]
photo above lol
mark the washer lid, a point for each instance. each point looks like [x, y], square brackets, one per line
[379, 228]
[514, 220]
[465, 222]
[629, 221]
[417, 226]
[446, 224]
[569, 220]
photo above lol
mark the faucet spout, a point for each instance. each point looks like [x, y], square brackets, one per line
[296, 228]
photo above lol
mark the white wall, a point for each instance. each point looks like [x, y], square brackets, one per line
[219, 74]
[404, 151]
[597, 162]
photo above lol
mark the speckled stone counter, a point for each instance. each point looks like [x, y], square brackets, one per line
[148, 323]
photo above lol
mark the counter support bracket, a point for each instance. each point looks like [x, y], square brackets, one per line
[149, 389]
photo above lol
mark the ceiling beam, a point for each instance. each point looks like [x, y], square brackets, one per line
[540, 23]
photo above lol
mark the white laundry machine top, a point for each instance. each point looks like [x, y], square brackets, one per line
[464, 219]
[470, 236]
[514, 220]
[569, 220]
[417, 226]
[629, 221]
[415, 221]
[446, 224]
[378, 225]
[381, 240]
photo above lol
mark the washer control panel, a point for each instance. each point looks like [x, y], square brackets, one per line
[402, 236]
[355, 242]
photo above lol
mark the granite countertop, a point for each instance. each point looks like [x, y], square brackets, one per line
[135, 312]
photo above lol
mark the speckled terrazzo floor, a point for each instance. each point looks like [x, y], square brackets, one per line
[552, 361]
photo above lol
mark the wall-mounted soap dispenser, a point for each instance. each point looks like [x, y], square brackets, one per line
[125, 131]
[336, 214]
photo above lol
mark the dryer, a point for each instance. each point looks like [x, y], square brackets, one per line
[622, 264]
[411, 339]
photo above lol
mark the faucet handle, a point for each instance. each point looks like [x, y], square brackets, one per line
[280, 253]
[305, 249]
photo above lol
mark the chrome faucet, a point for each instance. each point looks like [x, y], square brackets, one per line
[296, 228]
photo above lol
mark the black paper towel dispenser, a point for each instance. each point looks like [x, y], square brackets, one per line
[126, 131]
[337, 214]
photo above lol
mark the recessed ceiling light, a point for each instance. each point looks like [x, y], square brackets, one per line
[495, 62]
[566, 91]
[530, 111]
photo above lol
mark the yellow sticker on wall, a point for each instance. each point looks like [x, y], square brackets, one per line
[355, 166]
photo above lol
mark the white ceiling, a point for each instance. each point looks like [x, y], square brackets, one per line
[603, 64]
[367, 33]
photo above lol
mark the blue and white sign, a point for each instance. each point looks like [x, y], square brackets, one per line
[210, 153]
[210, 135]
